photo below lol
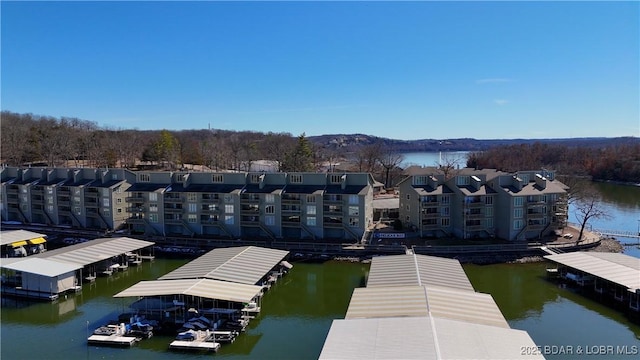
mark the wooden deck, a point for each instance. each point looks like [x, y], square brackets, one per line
[113, 340]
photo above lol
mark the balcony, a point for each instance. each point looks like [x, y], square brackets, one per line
[332, 199]
[37, 200]
[250, 220]
[89, 202]
[332, 222]
[173, 209]
[210, 210]
[290, 221]
[209, 199]
[135, 198]
[250, 199]
[172, 199]
[292, 199]
[535, 214]
[250, 210]
[333, 210]
[290, 209]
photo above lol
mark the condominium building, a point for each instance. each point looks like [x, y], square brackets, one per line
[469, 203]
[222, 204]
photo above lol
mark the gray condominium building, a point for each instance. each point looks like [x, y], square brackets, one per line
[468, 203]
[221, 204]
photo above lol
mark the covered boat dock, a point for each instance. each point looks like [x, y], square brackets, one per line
[19, 243]
[46, 275]
[613, 275]
[423, 307]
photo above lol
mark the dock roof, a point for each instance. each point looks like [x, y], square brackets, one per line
[618, 268]
[95, 250]
[12, 236]
[423, 338]
[204, 288]
[42, 267]
[402, 270]
[414, 301]
[245, 265]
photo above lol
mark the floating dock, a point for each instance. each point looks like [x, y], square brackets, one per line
[113, 340]
[200, 340]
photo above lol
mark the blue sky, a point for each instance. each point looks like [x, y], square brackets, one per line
[409, 70]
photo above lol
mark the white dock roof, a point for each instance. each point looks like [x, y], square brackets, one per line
[618, 268]
[423, 338]
[11, 236]
[245, 265]
[94, 250]
[42, 267]
[204, 288]
[402, 270]
[441, 302]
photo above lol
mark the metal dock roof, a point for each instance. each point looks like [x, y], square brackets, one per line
[205, 288]
[245, 265]
[423, 301]
[42, 267]
[11, 236]
[402, 270]
[423, 338]
[618, 268]
[94, 250]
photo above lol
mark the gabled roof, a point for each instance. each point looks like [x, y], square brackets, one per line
[266, 189]
[94, 250]
[147, 187]
[245, 264]
[617, 268]
[349, 189]
[10, 236]
[401, 270]
[204, 288]
[303, 189]
[43, 267]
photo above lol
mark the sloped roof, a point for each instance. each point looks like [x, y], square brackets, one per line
[618, 268]
[204, 288]
[95, 250]
[423, 338]
[42, 267]
[399, 270]
[245, 265]
[10, 236]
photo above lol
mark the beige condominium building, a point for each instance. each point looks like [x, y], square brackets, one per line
[221, 204]
[469, 203]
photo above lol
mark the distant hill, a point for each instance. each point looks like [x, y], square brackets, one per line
[351, 142]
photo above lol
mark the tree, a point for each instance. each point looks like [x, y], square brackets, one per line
[587, 208]
[389, 160]
[300, 158]
[449, 165]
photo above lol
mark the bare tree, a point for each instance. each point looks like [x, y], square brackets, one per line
[449, 165]
[389, 160]
[588, 207]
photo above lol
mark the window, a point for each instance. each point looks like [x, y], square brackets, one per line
[444, 221]
[193, 207]
[335, 179]
[295, 179]
[488, 211]
[408, 207]
[118, 201]
[144, 178]
[489, 223]
[228, 198]
[270, 209]
[153, 196]
[192, 218]
[311, 221]
[311, 199]
[228, 209]
[119, 210]
[270, 198]
[254, 178]
[114, 176]
[311, 209]
[488, 200]
[50, 208]
[354, 211]
[517, 213]
[217, 178]
[269, 220]
[462, 180]
[153, 207]
[354, 222]
[420, 180]
[180, 178]
[445, 211]
[408, 196]
[517, 224]
[50, 199]
[444, 199]
[153, 218]
[76, 210]
[524, 178]
[353, 199]
[50, 190]
[76, 201]
[228, 219]
[518, 201]
[106, 212]
[192, 197]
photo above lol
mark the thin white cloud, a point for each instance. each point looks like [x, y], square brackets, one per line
[501, 102]
[493, 80]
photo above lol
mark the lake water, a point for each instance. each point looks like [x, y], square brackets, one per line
[297, 312]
